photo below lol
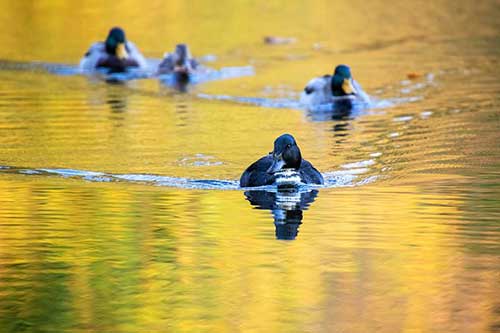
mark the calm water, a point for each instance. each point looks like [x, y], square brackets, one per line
[118, 205]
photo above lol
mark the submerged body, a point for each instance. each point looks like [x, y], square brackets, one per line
[257, 175]
[286, 155]
[115, 54]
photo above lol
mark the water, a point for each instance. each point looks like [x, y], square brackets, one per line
[119, 204]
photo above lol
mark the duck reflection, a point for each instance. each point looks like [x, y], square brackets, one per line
[117, 104]
[340, 109]
[117, 99]
[181, 81]
[343, 109]
[177, 82]
[286, 207]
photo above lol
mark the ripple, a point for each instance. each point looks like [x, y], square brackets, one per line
[332, 179]
[199, 160]
[425, 114]
[209, 74]
[403, 119]
[333, 109]
[360, 164]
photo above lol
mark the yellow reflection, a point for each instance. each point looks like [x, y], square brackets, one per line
[137, 256]
[86, 257]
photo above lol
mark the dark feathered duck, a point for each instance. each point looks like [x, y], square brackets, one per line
[180, 63]
[285, 156]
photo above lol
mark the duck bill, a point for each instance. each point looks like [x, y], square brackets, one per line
[277, 165]
[182, 65]
[348, 88]
[121, 51]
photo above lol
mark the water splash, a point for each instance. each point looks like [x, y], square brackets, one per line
[71, 70]
[207, 74]
[204, 75]
[199, 160]
[36, 66]
[337, 107]
[277, 103]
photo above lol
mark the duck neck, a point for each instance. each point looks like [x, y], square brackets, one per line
[293, 159]
[337, 86]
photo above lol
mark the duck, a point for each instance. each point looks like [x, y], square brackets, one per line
[116, 54]
[180, 63]
[328, 88]
[285, 157]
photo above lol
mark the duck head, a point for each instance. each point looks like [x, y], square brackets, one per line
[286, 154]
[342, 81]
[116, 43]
[182, 63]
[182, 57]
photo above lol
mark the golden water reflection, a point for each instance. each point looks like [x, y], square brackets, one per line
[415, 249]
[135, 257]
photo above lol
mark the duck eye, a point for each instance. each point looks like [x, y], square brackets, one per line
[288, 145]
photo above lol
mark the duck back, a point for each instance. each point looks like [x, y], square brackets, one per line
[257, 175]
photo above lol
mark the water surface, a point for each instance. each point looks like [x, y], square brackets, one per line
[119, 206]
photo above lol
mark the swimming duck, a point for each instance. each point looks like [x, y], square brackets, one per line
[324, 89]
[286, 156]
[115, 54]
[180, 63]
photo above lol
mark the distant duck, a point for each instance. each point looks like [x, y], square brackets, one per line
[115, 54]
[180, 63]
[285, 158]
[328, 88]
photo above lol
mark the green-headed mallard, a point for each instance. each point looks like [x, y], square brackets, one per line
[324, 89]
[115, 54]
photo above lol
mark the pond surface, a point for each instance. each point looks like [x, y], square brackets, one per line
[119, 205]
